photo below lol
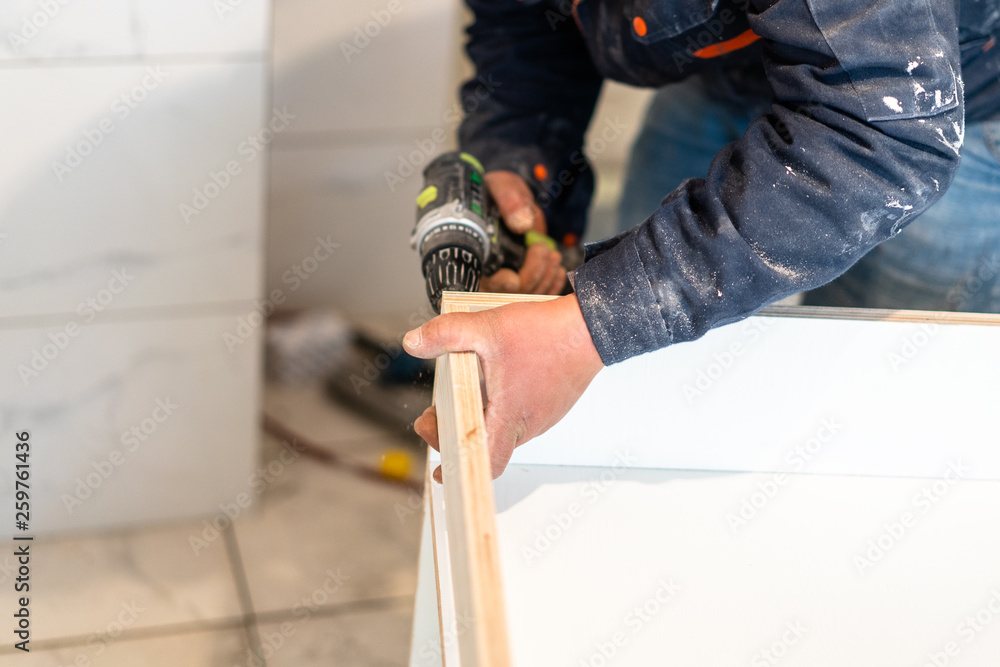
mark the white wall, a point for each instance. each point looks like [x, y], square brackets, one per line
[114, 300]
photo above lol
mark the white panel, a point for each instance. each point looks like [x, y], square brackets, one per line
[795, 395]
[425, 642]
[342, 193]
[72, 219]
[642, 567]
[70, 29]
[369, 65]
[448, 621]
[95, 387]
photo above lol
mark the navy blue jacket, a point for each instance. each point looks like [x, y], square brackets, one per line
[868, 112]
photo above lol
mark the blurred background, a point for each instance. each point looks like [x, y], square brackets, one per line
[205, 209]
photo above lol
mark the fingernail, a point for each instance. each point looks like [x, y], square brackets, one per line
[522, 219]
[412, 339]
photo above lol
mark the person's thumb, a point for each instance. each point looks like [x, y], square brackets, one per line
[452, 332]
[515, 202]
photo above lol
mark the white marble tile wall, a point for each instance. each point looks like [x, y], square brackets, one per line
[111, 187]
[121, 28]
[131, 229]
[342, 193]
[131, 421]
[365, 100]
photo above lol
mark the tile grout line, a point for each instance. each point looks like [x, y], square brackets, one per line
[243, 593]
[138, 634]
[225, 623]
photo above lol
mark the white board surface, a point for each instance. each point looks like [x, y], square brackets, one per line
[784, 491]
[796, 395]
[646, 567]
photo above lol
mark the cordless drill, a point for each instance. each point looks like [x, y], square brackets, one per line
[459, 234]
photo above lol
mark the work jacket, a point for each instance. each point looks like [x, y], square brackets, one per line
[869, 100]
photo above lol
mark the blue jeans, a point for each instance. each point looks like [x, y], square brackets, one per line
[946, 259]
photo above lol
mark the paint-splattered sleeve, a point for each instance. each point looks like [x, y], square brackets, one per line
[864, 135]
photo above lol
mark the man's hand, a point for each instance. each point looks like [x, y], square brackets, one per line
[542, 272]
[537, 358]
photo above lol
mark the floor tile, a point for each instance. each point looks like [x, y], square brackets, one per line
[140, 579]
[377, 638]
[324, 537]
[309, 412]
[197, 649]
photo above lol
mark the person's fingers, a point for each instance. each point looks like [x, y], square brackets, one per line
[552, 266]
[503, 436]
[558, 282]
[426, 426]
[452, 332]
[534, 267]
[438, 476]
[504, 280]
[514, 200]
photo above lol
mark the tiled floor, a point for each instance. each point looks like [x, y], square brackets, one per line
[320, 570]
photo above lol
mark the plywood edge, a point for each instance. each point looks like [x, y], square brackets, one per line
[470, 513]
[429, 510]
[476, 301]
[881, 315]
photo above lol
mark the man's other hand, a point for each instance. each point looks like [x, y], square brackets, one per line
[537, 359]
[542, 271]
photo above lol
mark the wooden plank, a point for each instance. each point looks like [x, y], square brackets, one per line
[468, 497]
[476, 301]
[881, 314]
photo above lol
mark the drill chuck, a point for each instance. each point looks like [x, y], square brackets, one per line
[457, 226]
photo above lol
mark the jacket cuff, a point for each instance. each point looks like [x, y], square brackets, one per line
[618, 302]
